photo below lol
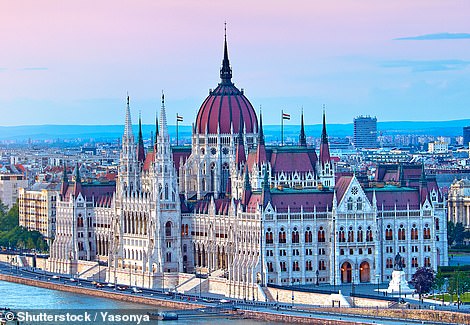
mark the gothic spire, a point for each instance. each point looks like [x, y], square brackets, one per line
[128, 125]
[77, 174]
[163, 125]
[240, 156]
[261, 149]
[266, 190]
[302, 138]
[324, 136]
[65, 178]
[140, 144]
[226, 71]
[324, 146]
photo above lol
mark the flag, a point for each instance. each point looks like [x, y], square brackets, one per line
[179, 118]
[285, 116]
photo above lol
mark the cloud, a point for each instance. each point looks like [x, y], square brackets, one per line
[435, 37]
[35, 69]
[430, 65]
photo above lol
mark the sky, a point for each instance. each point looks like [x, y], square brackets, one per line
[73, 62]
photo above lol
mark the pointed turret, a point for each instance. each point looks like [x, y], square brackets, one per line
[246, 189]
[163, 126]
[401, 175]
[423, 185]
[261, 149]
[302, 138]
[240, 156]
[140, 144]
[128, 134]
[324, 146]
[226, 71]
[78, 181]
[65, 181]
[266, 191]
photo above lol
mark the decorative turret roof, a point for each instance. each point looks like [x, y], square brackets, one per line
[246, 189]
[261, 149]
[266, 190]
[324, 146]
[302, 138]
[128, 134]
[140, 144]
[240, 156]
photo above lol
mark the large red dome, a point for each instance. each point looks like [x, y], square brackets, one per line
[221, 110]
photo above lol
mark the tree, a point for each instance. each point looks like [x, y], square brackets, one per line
[30, 243]
[450, 233]
[423, 280]
[459, 233]
[439, 281]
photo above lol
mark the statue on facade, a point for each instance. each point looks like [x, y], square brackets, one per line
[398, 265]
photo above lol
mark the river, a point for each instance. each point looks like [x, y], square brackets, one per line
[22, 297]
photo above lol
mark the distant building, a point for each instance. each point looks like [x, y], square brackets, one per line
[438, 147]
[466, 135]
[459, 202]
[365, 132]
[11, 180]
[37, 208]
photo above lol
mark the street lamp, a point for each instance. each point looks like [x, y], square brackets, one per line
[378, 282]
[292, 287]
[317, 273]
[135, 278]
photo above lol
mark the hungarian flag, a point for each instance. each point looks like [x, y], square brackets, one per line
[285, 116]
[179, 118]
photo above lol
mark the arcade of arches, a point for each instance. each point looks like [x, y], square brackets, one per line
[347, 272]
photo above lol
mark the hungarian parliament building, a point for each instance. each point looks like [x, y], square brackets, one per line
[254, 213]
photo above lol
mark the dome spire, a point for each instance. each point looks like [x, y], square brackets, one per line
[226, 71]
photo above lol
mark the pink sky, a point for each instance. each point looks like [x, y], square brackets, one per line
[78, 58]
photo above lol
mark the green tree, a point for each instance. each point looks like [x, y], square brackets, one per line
[450, 233]
[423, 280]
[30, 243]
[459, 233]
[439, 281]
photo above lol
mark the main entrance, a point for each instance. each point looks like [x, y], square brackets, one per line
[364, 275]
[346, 272]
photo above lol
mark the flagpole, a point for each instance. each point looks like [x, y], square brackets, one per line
[176, 129]
[282, 127]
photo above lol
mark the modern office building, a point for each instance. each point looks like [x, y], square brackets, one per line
[466, 135]
[365, 132]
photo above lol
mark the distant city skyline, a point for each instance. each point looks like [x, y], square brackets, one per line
[73, 62]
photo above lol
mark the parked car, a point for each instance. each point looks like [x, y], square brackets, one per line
[122, 288]
[136, 290]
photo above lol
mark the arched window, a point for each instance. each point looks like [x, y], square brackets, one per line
[350, 204]
[401, 233]
[389, 263]
[427, 261]
[166, 191]
[360, 235]
[308, 266]
[369, 236]
[282, 236]
[350, 235]
[321, 235]
[168, 257]
[341, 237]
[389, 233]
[359, 203]
[168, 229]
[308, 236]
[414, 262]
[283, 266]
[426, 232]
[269, 236]
[321, 265]
[295, 266]
[270, 267]
[295, 236]
[414, 233]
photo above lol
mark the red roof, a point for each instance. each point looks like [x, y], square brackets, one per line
[222, 109]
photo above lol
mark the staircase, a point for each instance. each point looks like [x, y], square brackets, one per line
[92, 273]
[267, 294]
[192, 285]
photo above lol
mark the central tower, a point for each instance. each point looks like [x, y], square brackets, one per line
[224, 114]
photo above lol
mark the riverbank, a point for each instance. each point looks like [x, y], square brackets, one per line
[322, 316]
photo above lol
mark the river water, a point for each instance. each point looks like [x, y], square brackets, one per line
[22, 297]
